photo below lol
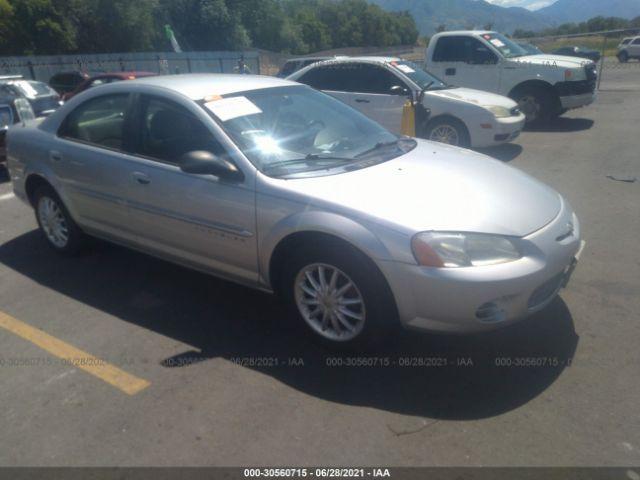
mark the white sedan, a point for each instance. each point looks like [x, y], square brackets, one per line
[380, 86]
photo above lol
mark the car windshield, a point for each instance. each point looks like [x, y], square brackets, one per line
[6, 117]
[419, 76]
[508, 48]
[295, 130]
[32, 89]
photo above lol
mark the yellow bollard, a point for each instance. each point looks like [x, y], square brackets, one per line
[408, 125]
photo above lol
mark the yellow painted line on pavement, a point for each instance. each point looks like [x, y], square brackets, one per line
[106, 372]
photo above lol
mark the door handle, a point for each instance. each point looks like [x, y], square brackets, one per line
[362, 100]
[55, 156]
[141, 178]
[450, 71]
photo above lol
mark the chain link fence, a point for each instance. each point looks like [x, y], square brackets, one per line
[42, 68]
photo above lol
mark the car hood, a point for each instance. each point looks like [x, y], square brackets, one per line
[554, 61]
[469, 95]
[436, 187]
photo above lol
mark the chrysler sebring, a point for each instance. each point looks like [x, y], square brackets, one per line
[275, 185]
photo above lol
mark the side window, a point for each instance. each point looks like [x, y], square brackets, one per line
[99, 121]
[367, 78]
[336, 77]
[168, 131]
[636, 41]
[451, 49]
[463, 49]
[480, 54]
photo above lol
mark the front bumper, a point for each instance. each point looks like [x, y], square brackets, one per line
[577, 101]
[476, 299]
[502, 130]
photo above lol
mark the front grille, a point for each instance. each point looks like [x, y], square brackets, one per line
[545, 291]
[490, 312]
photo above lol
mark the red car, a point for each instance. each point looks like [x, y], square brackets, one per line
[104, 78]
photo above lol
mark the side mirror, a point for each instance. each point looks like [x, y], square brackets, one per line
[398, 90]
[202, 162]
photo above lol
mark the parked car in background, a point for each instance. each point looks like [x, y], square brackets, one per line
[544, 86]
[105, 78]
[65, 82]
[280, 187]
[629, 48]
[43, 99]
[380, 86]
[294, 64]
[530, 48]
[575, 51]
[13, 109]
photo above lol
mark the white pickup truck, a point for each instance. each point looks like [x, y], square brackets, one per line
[545, 86]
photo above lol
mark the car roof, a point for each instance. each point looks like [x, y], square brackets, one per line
[304, 59]
[363, 59]
[123, 74]
[197, 86]
[465, 32]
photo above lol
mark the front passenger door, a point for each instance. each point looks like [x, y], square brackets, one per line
[201, 220]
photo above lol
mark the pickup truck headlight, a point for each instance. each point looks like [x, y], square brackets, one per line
[499, 112]
[454, 249]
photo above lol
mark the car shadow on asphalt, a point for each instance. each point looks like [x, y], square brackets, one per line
[561, 125]
[505, 152]
[436, 376]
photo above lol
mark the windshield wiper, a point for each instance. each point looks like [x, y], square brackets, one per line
[378, 146]
[311, 156]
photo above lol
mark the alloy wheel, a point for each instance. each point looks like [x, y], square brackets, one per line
[330, 302]
[445, 134]
[53, 222]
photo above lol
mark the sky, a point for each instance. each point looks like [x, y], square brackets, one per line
[530, 4]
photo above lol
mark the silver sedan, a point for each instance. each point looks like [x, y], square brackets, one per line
[276, 186]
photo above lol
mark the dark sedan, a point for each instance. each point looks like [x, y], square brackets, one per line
[105, 78]
[582, 52]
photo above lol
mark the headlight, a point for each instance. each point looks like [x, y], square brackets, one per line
[498, 112]
[453, 250]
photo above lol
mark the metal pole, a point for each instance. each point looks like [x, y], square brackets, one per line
[604, 46]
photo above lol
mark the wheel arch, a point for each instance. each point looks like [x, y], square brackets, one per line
[534, 84]
[304, 238]
[33, 182]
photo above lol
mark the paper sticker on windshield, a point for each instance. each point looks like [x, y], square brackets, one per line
[404, 68]
[233, 107]
[497, 42]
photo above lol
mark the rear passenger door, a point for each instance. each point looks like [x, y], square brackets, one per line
[92, 159]
[634, 48]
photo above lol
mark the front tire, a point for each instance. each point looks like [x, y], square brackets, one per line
[448, 130]
[339, 296]
[57, 226]
[623, 57]
[536, 103]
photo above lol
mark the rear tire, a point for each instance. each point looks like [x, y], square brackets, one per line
[623, 57]
[315, 287]
[57, 226]
[447, 130]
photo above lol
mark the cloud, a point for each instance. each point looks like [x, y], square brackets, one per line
[528, 4]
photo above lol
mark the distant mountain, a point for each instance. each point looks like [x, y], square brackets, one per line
[564, 11]
[460, 14]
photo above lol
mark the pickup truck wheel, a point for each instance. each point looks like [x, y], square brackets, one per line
[59, 229]
[447, 130]
[536, 104]
[623, 57]
[341, 299]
